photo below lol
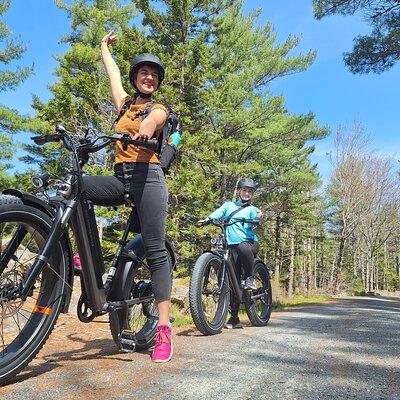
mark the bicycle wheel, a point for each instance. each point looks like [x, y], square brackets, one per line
[139, 319]
[209, 294]
[259, 307]
[26, 323]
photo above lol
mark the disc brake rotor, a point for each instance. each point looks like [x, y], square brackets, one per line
[8, 307]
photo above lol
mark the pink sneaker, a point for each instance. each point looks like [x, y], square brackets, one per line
[162, 351]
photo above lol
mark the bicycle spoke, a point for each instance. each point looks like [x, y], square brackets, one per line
[57, 274]
[29, 243]
[16, 321]
[211, 292]
[26, 262]
[1, 238]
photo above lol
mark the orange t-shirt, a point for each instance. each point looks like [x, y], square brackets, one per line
[130, 123]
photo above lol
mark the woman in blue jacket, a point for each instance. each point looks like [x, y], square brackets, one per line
[241, 238]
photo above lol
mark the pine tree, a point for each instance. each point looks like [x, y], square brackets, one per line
[219, 63]
[219, 66]
[378, 51]
[81, 96]
[10, 121]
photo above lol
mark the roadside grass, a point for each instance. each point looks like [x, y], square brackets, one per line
[182, 317]
[284, 302]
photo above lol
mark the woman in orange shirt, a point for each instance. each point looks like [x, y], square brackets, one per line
[138, 171]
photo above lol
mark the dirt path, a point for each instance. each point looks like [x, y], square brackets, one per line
[347, 349]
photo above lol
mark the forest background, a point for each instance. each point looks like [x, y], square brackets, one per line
[330, 225]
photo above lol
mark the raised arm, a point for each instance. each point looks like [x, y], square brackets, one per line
[117, 91]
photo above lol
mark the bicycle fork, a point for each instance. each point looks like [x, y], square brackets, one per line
[234, 284]
[25, 286]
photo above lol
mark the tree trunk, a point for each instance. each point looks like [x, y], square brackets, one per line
[332, 274]
[385, 267]
[323, 280]
[302, 277]
[314, 283]
[370, 274]
[291, 265]
[339, 262]
[309, 266]
[398, 271]
[277, 248]
[376, 276]
[363, 272]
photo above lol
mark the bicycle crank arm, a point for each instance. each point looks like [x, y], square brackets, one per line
[257, 296]
[127, 303]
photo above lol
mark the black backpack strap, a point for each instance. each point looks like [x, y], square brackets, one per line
[123, 110]
[236, 211]
[169, 126]
[146, 111]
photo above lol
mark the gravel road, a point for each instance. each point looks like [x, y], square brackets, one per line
[343, 349]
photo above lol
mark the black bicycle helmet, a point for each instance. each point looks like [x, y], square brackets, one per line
[247, 182]
[146, 59]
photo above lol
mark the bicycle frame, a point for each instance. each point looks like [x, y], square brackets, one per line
[229, 266]
[89, 249]
[75, 211]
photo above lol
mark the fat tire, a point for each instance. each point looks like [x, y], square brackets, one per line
[254, 317]
[195, 296]
[18, 354]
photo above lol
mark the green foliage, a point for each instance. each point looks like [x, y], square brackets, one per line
[81, 98]
[378, 51]
[219, 63]
[81, 93]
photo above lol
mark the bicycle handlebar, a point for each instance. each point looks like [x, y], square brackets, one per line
[89, 146]
[221, 222]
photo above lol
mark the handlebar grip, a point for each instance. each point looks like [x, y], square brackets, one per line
[203, 222]
[151, 144]
[125, 138]
[250, 221]
[40, 140]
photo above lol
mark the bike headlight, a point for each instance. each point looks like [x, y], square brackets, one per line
[40, 180]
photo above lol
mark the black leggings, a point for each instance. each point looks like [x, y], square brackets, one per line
[147, 189]
[243, 255]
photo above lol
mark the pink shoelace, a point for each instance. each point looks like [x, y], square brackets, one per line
[163, 335]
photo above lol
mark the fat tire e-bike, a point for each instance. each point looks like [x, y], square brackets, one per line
[36, 262]
[215, 282]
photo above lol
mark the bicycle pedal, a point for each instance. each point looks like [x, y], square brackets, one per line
[127, 340]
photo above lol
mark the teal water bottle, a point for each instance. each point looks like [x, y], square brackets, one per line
[175, 139]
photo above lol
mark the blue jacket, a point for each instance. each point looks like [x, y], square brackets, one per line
[238, 232]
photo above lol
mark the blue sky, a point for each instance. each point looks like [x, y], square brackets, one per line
[328, 89]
